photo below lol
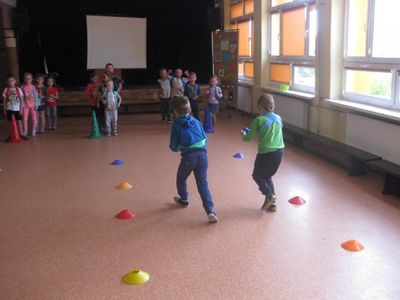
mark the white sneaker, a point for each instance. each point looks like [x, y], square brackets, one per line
[178, 200]
[212, 217]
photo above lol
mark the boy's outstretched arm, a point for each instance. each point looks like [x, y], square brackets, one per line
[253, 131]
[173, 144]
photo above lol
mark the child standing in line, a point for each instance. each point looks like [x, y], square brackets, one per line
[164, 94]
[178, 84]
[31, 103]
[102, 90]
[52, 104]
[112, 101]
[192, 91]
[214, 94]
[268, 127]
[13, 103]
[42, 94]
[92, 91]
[188, 136]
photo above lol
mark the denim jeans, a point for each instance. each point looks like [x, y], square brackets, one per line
[265, 167]
[194, 105]
[197, 162]
[165, 109]
[51, 116]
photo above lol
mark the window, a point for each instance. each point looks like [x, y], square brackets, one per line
[372, 52]
[242, 20]
[292, 46]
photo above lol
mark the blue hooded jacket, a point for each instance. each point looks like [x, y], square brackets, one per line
[187, 135]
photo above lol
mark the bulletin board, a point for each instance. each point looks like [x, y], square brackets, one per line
[225, 47]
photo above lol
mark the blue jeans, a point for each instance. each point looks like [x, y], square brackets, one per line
[165, 108]
[197, 162]
[265, 167]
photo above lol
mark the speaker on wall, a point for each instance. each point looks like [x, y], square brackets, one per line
[215, 18]
[21, 19]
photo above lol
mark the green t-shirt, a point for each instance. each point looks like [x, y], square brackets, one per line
[268, 128]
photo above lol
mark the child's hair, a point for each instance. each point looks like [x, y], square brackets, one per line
[192, 74]
[108, 81]
[27, 74]
[214, 77]
[52, 78]
[181, 105]
[39, 75]
[162, 69]
[92, 75]
[10, 76]
[266, 101]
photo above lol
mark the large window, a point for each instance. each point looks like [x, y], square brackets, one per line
[293, 29]
[372, 52]
[242, 20]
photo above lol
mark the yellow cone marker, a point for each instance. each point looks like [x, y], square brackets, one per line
[136, 277]
[123, 186]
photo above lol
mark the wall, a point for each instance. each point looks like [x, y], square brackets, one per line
[379, 137]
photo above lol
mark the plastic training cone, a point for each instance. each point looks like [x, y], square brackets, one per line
[14, 134]
[297, 200]
[123, 186]
[136, 277]
[95, 131]
[117, 162]
[352, 245]
[207, 126]
[126, 214]
[238, 155]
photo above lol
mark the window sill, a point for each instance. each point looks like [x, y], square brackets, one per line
[382, 113]
[294, 94]
[246, 82]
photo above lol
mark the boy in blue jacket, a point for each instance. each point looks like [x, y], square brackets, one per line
[188, 137]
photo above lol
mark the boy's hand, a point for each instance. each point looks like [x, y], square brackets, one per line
[186, 73]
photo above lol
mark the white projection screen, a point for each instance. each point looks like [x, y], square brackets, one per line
[118, 40]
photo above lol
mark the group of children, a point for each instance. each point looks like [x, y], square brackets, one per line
[104, 98]
[33, 99]
[188, 137]
[176, 86]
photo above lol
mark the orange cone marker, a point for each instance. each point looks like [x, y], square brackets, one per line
[352, 245]
[123, 186]
[15, 137]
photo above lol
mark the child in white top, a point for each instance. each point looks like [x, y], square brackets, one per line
[112, 101]
[214, 94]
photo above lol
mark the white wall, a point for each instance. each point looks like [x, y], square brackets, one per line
[244, 98]
[374, 136]
[292, 111]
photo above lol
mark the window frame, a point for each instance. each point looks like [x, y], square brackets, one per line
[370, 63]
[245, 18]
[293, 61]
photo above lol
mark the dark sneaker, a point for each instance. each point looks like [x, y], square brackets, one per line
[212, 217]
[268, 202]
[24, 137]
[179, 201]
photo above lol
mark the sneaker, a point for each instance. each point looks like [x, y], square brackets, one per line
[115, 134]
[178, 200]
[49, 128]
[24, 137]
[212, 217]
[272, 207]
[108, 134]
[268, 201]
[169, 122]
[54, 128]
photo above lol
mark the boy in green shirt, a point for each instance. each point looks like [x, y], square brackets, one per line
[268, 127]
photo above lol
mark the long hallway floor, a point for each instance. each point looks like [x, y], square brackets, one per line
[59, 238]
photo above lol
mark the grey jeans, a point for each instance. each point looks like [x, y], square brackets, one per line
[111, 116]
[51, 116]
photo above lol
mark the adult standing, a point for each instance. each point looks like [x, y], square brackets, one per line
[115, 78]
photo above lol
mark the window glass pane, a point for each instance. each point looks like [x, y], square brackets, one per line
[280, 73]
[312, 31]
[293, 28]
[275, 28]
[237, 10]
[248, 6]
[280, 2]
[249, 69]
[357, 24]
[372, 83]
[386, 29]
[304, 76]
[244, 49]
[241, 69]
